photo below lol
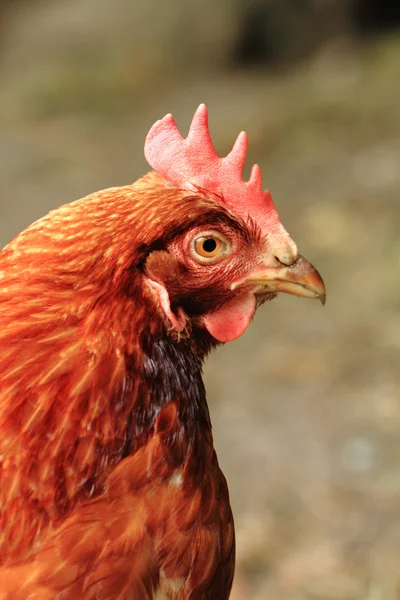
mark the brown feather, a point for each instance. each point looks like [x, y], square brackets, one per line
[109, 484]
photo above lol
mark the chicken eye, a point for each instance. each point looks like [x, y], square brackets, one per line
[208, 247]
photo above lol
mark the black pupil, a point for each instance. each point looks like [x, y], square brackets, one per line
[209, 245]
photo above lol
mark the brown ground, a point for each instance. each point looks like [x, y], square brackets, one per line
[306, 406]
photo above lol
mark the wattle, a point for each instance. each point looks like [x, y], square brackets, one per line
[231, 320]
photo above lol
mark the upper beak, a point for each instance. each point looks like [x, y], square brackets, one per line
[299, 279]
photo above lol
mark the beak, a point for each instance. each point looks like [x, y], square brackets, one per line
[298, 279]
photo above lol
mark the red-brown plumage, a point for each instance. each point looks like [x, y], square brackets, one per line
[109, 484]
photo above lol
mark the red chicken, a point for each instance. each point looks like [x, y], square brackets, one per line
[109, 484]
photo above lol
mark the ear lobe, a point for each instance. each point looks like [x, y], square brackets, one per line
[178, 321]
[225, 324]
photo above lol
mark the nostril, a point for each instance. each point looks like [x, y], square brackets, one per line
[285, 250]
[286, 259]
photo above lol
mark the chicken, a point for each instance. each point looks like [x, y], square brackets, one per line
[109, 483]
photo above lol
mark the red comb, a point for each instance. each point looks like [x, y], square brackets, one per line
[193, 163]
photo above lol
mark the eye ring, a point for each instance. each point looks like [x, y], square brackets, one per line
[208, 247]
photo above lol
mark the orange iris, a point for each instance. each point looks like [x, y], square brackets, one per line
[208, 247]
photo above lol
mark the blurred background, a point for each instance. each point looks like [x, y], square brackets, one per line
[306, 406]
